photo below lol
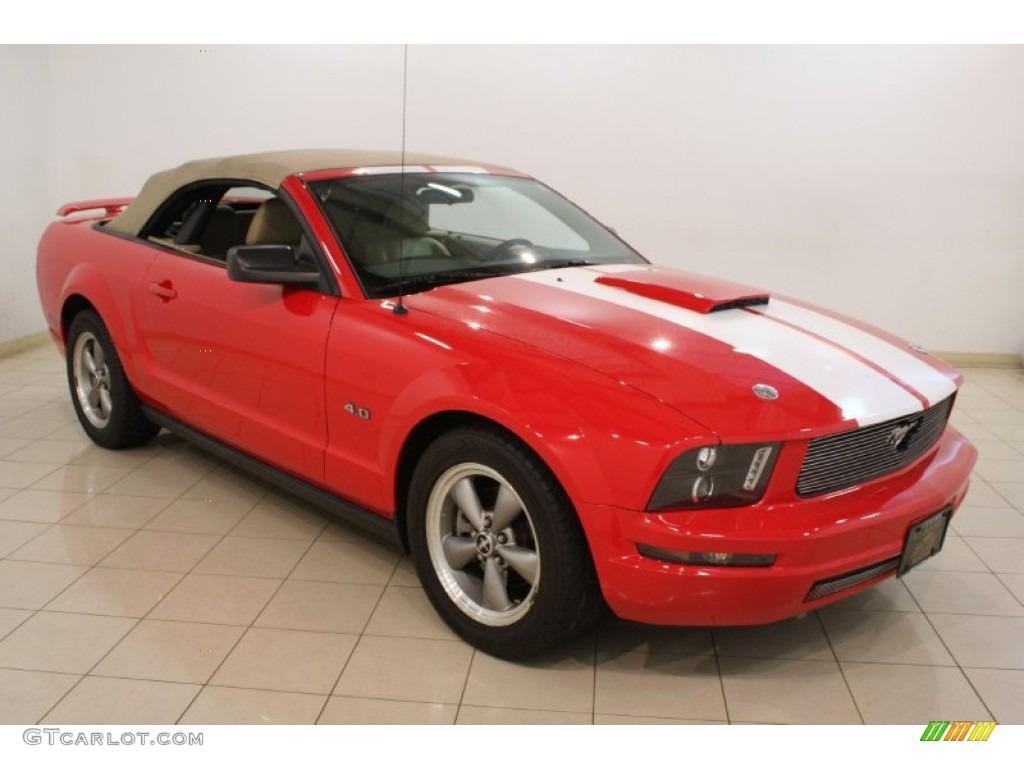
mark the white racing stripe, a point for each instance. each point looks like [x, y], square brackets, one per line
[857, 389]
[899, 362]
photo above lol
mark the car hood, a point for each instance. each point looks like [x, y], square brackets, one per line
[703, 347]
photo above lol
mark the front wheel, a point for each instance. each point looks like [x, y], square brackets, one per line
[103, 399]
[498, 546]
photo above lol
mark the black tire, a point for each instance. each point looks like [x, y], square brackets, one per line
[478, 576]
[104, 401]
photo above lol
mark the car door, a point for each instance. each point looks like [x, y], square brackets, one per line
[241, 362]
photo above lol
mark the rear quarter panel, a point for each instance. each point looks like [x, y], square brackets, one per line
[74, 259]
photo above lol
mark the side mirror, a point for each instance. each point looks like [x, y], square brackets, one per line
[268, 264]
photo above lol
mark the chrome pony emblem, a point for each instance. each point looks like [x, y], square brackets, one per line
[766, 392]
[899, 437]
[485, 543]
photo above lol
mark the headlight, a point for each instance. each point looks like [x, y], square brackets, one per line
[716, 476]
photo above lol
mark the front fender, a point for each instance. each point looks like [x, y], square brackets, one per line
[605, 441]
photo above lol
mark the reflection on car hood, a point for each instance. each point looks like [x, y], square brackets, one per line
[702, 345]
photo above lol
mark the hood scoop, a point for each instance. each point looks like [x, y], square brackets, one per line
[693, 292]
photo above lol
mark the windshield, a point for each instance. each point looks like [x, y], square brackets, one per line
[417, 231]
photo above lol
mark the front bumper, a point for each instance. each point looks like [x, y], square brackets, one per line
[815, 540]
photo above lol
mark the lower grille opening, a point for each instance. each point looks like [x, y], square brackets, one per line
[851, 579]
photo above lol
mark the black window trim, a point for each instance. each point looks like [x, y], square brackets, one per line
[330, 283]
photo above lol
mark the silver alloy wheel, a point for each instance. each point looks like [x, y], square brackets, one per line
[482, 544]
[92, 379]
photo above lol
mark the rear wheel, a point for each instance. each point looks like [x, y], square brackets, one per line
[107, 408]
[498, 546]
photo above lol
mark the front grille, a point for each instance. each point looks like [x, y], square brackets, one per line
[839, 461]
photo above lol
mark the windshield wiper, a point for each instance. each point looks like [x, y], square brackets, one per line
[562, 263]
[415, 283]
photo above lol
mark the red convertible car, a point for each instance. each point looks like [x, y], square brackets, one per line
[456, 356]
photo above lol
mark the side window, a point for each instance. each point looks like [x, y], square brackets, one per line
[229, 222]
[207, 221]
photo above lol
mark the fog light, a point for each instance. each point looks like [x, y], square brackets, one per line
[732, 559]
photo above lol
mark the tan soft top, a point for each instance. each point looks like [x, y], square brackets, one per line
[267, 168]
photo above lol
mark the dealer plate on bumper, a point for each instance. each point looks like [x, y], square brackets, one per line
[924, 540]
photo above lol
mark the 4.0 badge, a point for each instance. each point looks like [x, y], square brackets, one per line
[355, 410]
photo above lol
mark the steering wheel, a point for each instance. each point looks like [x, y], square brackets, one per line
[498, 251]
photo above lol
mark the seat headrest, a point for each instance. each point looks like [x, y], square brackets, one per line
[273, 224]
[408, 217]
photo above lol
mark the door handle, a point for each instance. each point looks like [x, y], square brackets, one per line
[165, 290]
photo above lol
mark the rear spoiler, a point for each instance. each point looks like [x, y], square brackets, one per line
[111, 206]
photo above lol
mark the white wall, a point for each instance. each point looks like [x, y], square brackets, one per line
[127, 111]
[887, 183]
[24, 203]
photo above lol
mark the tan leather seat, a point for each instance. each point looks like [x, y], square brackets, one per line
[403, 233]
[274, 224]
[375, 229]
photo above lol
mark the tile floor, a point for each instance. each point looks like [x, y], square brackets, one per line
[159, 586]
